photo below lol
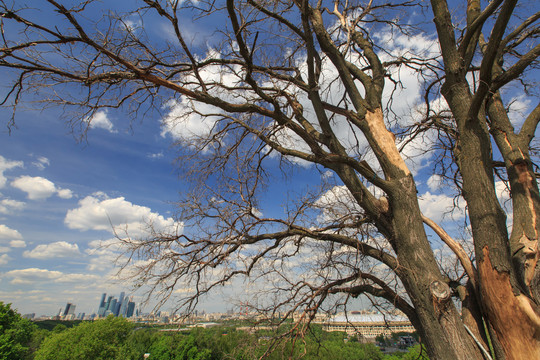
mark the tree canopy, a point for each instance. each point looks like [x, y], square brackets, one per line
[15, 334]
[286, 84]
[89, 340]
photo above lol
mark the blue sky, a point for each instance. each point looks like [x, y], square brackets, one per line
[45, 174]
[61, 196]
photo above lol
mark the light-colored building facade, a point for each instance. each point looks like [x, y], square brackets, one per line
[368, 326]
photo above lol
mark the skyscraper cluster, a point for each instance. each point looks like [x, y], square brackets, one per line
[118, 307]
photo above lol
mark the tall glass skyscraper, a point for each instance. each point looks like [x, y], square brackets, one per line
[120, 307]
[69, 310]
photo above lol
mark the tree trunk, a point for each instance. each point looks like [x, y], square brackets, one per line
[441, 327]
[509, 311]
[440, 323]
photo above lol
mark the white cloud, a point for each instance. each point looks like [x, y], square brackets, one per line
[10, 237]
[103, 254]
[99, 212]
[188, 121]
[101, 120]
[4, 259]
[41, 163]
[38, 188]
[327, 174]
[7, 165]
[60, 249]
[9, 234]
[31, 275]
[7, 206]
[518, 109]
[64, 193]
[437, 207]
[337, 203]
[434, 182]
[35, 275]
[183, 124]
[158, 155]
[17, 243]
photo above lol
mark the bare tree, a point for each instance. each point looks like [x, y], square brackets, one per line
[304, 82]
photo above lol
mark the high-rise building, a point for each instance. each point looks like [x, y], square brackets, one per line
[112, 307]
[102, 305]
[108, 304]
[69, 310]
[130, 309]
[119, 304]
[123, 308]
[102, 302]
[121, 298]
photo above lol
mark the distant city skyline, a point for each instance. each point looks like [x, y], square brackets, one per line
[102, 305]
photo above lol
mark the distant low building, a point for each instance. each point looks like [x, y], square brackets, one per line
[204, 325]
[368, 326]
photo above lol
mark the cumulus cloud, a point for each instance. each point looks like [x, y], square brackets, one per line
[8, 206]
[99, 212]
[35, 275]
[39, 188]
[64, 193]
[337, 203]
[9, 234]
[434, 182]
[183, 124]
[103, 254]
[518, 109]
[7, 165]
[189, 121]
[60, 249]
[17, 243]
[31, 275]
[4, 259]
[437, 207]
[10, 237]
[101, 120]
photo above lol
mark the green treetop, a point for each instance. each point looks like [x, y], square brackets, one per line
[15, 334]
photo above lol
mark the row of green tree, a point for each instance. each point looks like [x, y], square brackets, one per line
[116, 338]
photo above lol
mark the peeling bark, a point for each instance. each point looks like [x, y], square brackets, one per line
[512, 316]
[529, 246]
[383, 143]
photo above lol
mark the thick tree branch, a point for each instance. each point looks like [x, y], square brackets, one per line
[382, 290]
[456, 248]
[528, 129]
[515, 70]
[491, 54]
